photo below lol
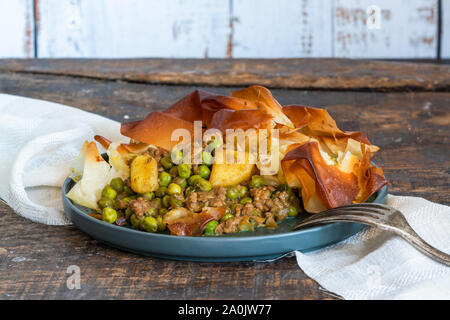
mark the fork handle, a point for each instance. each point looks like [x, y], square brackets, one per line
[415, 240]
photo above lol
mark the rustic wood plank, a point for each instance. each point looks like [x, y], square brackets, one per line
[16, 29]
[445, 30]
[282, 29]
[412, 129]
[330, 74]
[139, 28]
[407, 29]
[34, 259]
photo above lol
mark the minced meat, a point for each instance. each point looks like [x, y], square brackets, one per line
[197, 200]
[139, 206]
[157, 154]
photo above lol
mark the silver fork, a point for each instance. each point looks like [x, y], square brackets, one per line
[380, 216]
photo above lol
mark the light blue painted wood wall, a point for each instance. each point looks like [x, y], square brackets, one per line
[224, 28]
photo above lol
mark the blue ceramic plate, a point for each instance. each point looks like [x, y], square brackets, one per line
[261, 244]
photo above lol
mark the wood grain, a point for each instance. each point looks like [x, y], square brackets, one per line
[34, 265]
[324, 74]
[16, 29]
[412, 129]
[282, 29]
[137, 28]
[391, 29]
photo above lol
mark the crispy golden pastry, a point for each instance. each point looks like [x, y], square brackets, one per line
[156, 129]
[327, 166]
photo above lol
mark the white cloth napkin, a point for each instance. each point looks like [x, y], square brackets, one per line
[375, 264]
[39, 140]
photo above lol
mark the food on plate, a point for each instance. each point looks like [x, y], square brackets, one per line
[256, 164]
[143, 174]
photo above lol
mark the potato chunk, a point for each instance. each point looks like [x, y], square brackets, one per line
[144, 174]
[224, 175]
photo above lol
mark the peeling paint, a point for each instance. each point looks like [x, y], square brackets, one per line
[230, 40]
[252, 28]
[36, 14]
[427, 13]
[28, 34]
[407, 29]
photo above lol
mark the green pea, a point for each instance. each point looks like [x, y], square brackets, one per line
[243, 191]
[115, 205]
[109, 215]
[180, 181]
[175, 202]
[204, 171]
[176, 156]
[151, 212]
[184, 170]
[204, 185]
[163, 211]
[164, 179]
[117, 184]
[173, 171]
[232, 193]
[128, 199]
[194, 179]
[256, 182]
[174, 188]
[150, 224]
[161, 224]
[166, 163]
[293, 212]
[161, 192]
[209, 233]
[207, 158]
[128, 212]
[246, 200]
[128, 191]
[105, 202]
[135, 222]
[166, 201]
[109, 193]
[148, 195]
[210, 227]
[226, 216]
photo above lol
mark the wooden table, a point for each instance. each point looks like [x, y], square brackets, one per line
[403, 108]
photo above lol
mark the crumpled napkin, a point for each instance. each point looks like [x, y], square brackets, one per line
[39, 140]
[375, 264]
